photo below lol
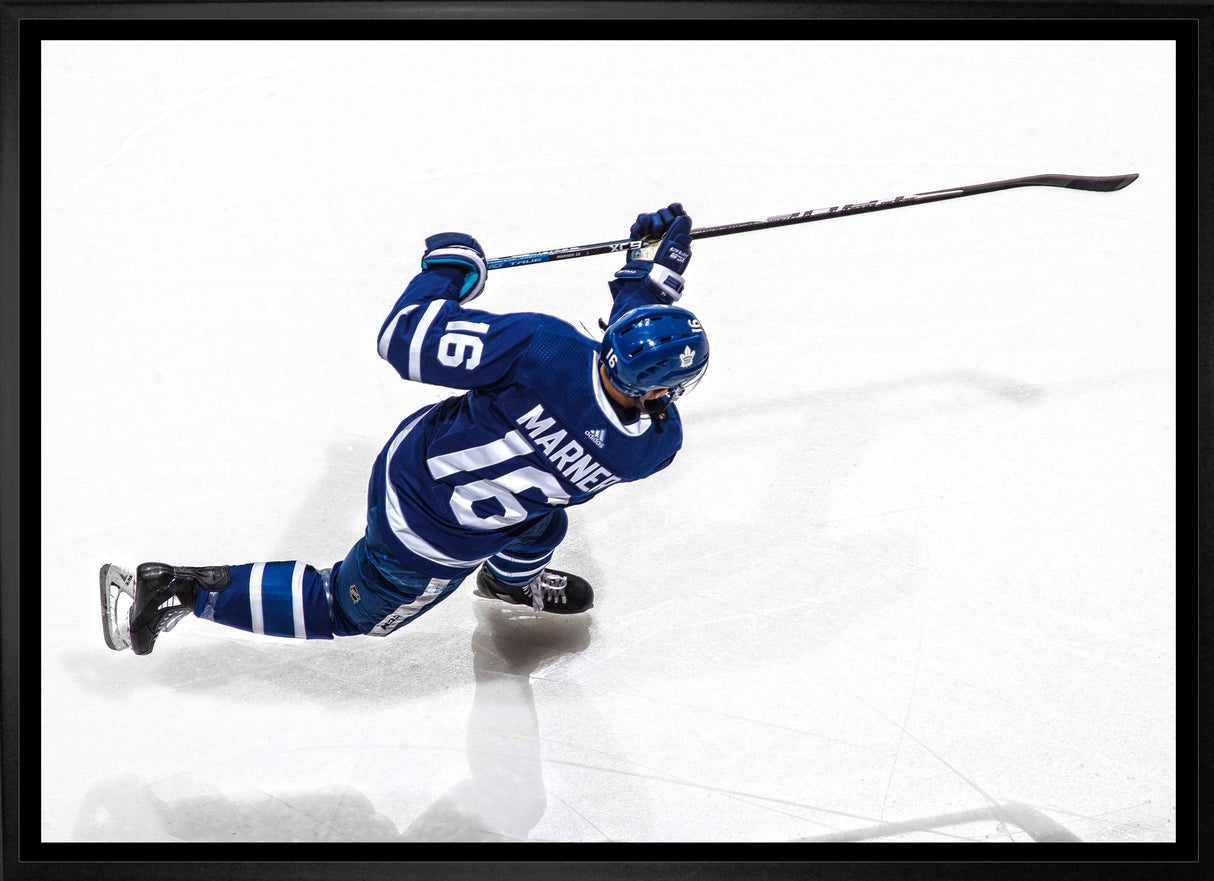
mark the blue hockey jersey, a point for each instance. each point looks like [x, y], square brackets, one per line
[535, 430]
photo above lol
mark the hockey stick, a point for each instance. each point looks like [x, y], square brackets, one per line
[1072, 182]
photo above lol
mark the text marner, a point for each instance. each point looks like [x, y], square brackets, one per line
[570, 460]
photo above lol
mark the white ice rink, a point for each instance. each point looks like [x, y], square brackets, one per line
[912, 576]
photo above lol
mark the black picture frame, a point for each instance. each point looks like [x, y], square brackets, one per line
[24, 24]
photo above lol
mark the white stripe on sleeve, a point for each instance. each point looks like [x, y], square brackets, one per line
[474, 326]
[385, 338]
[419, 337]
[297, 600]
[255, 597]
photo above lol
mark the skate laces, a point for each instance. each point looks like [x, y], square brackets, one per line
[171, 616]
[546, 586]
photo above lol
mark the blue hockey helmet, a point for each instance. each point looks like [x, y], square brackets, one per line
[655, 347]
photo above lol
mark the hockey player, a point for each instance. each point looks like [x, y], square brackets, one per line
[549, 420]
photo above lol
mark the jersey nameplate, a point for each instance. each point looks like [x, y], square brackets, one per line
[568, 457]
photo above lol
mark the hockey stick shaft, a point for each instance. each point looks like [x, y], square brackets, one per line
[1067, 181]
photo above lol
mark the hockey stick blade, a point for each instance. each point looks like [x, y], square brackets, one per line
[1095, 184]
[1117, 183]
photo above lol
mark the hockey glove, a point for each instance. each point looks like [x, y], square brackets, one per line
[653, 225]
[662, 268]
[462, 252]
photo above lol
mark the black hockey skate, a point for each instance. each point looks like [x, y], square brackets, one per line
[164, 595]
[550, 591]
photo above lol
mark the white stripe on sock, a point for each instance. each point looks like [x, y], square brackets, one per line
[504, 574]
[255, 597]
[501, 556]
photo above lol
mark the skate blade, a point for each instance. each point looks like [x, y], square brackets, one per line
[112, 586]
[479, 591]
[528, 606]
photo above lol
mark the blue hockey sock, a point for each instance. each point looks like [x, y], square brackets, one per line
[516, 569]
[526, 556]
[279, 599]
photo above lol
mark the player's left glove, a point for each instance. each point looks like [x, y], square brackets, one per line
[462, 252]
[661, 267]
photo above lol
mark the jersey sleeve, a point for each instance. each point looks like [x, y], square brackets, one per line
[665, 463]
[629, 293]
[428, 337]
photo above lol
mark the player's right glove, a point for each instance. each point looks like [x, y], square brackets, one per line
[655, 223]
[462, 252]
[663, 270]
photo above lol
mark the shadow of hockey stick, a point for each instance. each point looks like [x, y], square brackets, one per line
[1038, 826]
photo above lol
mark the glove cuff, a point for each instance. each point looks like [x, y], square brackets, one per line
[635, 269]
[471, 262]
[665, 283]
[449, 239]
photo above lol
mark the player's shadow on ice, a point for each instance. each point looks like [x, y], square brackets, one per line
[202, 657]
[908, 395]
[982, 385]
[411, 664]
[332, 515]
[502, 799]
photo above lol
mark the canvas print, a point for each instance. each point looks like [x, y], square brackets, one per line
[601, 441]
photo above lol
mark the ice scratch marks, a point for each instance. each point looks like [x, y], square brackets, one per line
[585, 819]
[258, 73]
[1131, 829]
[644, 772]
[985, 386]
[1103, 659]
[910, 702]
[676, 781]
[837, 834]
[908, 733]
[1032, 821]
[86, 527]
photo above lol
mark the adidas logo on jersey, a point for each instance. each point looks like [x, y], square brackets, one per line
[687, 357]
[571, 461]
[597, 437]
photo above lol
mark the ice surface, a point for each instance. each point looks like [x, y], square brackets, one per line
[911, 577]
